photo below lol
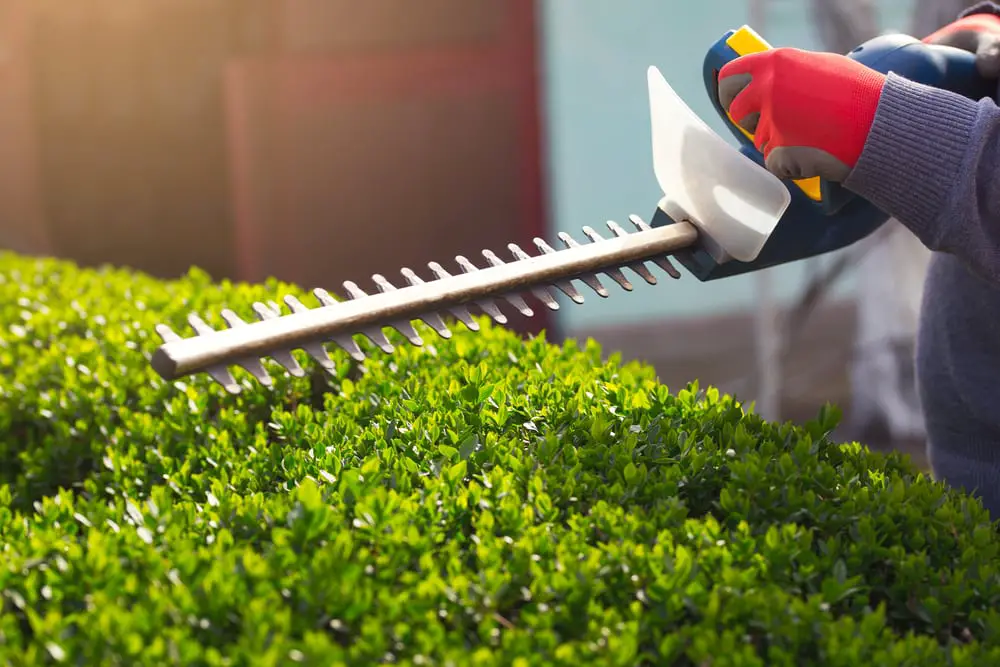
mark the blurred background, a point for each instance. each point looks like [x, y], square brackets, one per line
[325, 140]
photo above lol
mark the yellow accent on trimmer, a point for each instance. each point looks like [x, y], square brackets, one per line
[744, 41]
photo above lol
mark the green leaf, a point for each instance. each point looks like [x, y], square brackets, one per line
[631, 474]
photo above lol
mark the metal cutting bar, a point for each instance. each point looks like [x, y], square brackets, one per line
[184, 356]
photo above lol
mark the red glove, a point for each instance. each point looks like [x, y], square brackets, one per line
[810, 112]
[977, 33]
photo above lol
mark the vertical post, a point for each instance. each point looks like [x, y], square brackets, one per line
[767, 334]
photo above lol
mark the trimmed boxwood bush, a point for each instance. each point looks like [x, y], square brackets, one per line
[480, 501]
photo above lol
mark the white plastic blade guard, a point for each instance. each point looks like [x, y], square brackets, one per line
[732, 200]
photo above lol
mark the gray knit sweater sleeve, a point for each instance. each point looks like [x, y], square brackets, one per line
[932, 161]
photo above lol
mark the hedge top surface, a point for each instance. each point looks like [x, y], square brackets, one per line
[482, 501]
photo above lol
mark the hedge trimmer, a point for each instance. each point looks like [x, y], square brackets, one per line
[722, 214]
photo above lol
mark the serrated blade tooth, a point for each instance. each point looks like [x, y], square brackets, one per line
[616, 229]
[256, 368]
[466, 265]
[512, 299]
[316, 350]
[589, 279]
[253, 365]
[266, 311]
[439, 271]
[465, 317]
[565, 286]
[661, 262]
[491, 309]
[219, 374]
[639, 223]
[318, 354]
[353, 291]
[346, 343]
[461, 313]
[433, 320]
[199, 325]
[222, 375]
[408, 332]
[231, 318]
[492, 258]
[618, 277]
[324, 297]
[402, 326]
[643, 272]
[666, 265]
[412, 277]
[294, 304]
[568, 240]
[541, 293]
[592, 234]
[376, 336]
[543, 246]
[488, 306]
[283, 357]
[545, 297]
[638, 267]
[517, 251]
[166, 334]
[373, 334]
[383, 283]
[349, 345]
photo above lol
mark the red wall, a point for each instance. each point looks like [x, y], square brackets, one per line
[404, 139]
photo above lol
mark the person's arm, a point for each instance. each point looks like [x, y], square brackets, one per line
[932, 161]
[932, 158]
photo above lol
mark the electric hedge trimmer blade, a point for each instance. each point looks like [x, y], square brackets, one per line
[718, 206]
[721, 207]
[275, 335]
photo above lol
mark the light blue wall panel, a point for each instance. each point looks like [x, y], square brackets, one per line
[594, 58]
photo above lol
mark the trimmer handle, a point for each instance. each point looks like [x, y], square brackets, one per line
[933, 65]
[824, 216]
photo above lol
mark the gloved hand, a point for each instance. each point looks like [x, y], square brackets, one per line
[979, 34]
[810, 112]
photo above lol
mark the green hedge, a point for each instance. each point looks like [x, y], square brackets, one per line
[481, 501]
